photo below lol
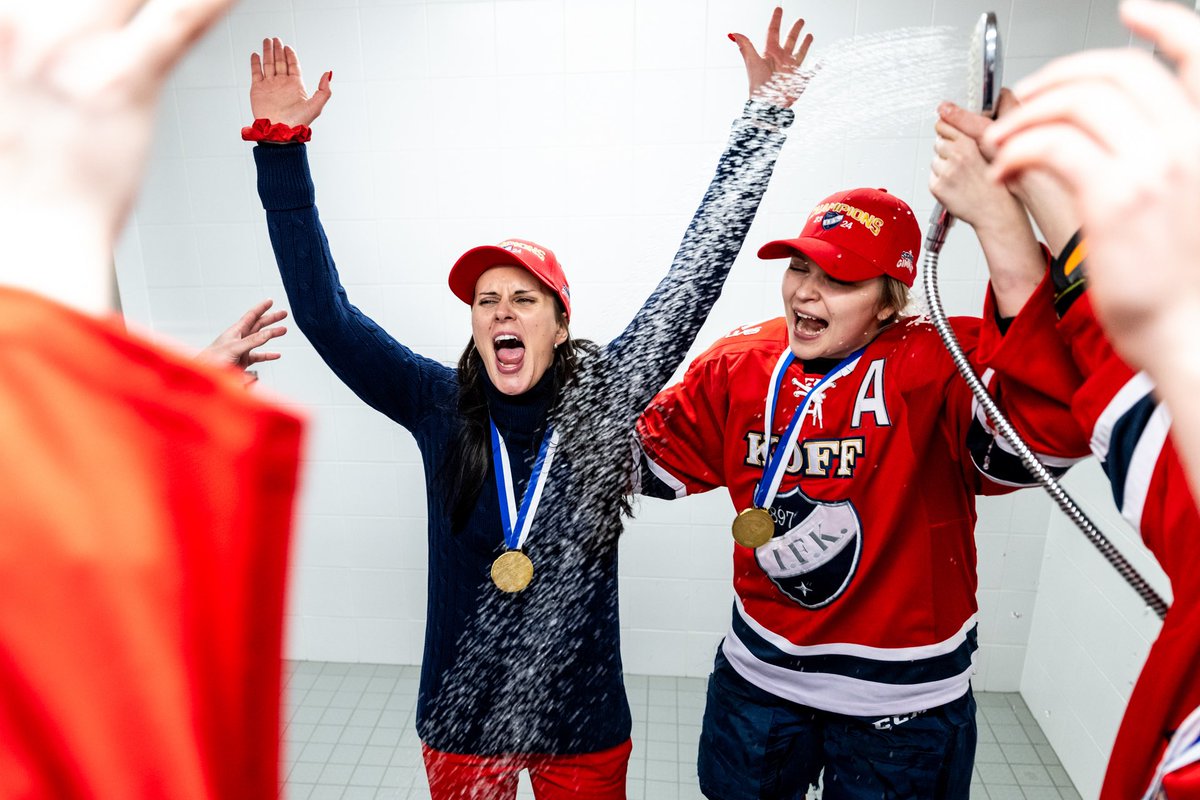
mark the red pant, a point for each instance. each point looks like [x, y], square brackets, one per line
[588, 776]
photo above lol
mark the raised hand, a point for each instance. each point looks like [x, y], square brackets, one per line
[774, 73]
[277, 89]
[1041, 194]
[1120, 132]
[236, 346]
[960, 180]
[79, 82]
[959, 176]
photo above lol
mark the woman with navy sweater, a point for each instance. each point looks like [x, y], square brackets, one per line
[527, 447]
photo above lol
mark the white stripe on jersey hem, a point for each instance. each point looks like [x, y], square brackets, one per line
[1129, 395]
[1011, 484]
[673, 483]
[1005, 445]
[1141, 465]
[976, 409]
[842, 695]
[917, 653]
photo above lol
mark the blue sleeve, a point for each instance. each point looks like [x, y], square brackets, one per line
[387, 375]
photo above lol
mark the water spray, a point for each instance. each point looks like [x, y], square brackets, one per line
[984, 77]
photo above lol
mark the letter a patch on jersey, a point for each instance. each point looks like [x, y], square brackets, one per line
[815, 551]
[870, 399]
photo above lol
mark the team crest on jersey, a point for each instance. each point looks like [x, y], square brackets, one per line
[832, 219]
[815, 551]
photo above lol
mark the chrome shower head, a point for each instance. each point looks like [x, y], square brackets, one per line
[985, 73]
[986, 67]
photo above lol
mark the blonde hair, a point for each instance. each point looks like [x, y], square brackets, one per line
[893, 295]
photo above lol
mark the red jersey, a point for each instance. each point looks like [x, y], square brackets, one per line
[863, 602]
[143, 546]
[1129, 430]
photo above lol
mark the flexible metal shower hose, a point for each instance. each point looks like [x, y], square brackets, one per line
[1035, 467]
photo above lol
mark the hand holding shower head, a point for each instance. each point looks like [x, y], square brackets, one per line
[985, 78]
[985, 70]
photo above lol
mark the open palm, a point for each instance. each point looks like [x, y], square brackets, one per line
[277, 89]
[78, 93]
[773, 72]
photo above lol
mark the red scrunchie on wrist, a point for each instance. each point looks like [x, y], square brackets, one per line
[264, 131]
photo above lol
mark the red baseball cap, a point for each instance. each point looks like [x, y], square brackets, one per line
[539, 261]
[856, 235]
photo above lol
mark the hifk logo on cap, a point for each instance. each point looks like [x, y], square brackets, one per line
[832, 219]
[832, 213]
[906, 261]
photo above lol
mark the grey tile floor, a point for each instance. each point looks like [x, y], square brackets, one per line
[349, 734]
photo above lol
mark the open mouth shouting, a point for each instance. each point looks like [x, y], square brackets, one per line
[510, 353]
[808, 327]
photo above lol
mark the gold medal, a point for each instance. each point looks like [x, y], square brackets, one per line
[753, 527]
[512, 571]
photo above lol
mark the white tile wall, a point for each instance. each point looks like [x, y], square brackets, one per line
[165, 197]
[395, 43]
[668, 34]
[1046, 29]
[875, 16]
[599, 35]
[1090, 634]
[529, 37]
[212, 62]
[462, 39]
[593, 125]
[219, 190]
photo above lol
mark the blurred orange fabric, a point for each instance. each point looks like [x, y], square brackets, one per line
[145, 509]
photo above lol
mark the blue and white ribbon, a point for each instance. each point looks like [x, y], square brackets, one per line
[777, 459]
[517, 522]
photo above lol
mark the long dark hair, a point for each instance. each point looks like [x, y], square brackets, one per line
[469, 459]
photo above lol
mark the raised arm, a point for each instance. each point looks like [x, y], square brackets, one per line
[775, 75]
[1119, 130]
[277, 90]
[1031, 371]
[147, 505]
[960, 181]
[385, 374]
[78, 89]
[639, 362]
[1042, 195]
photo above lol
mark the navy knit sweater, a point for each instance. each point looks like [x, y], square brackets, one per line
[538, 671]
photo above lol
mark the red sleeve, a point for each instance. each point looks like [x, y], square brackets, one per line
[1035, 374]
[682, 432]
[1107, 373]
[146, 514]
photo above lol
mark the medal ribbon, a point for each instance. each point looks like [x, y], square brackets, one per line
[517, 522]
[768, 487]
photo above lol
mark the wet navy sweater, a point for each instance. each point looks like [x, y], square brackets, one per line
[538, 671]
